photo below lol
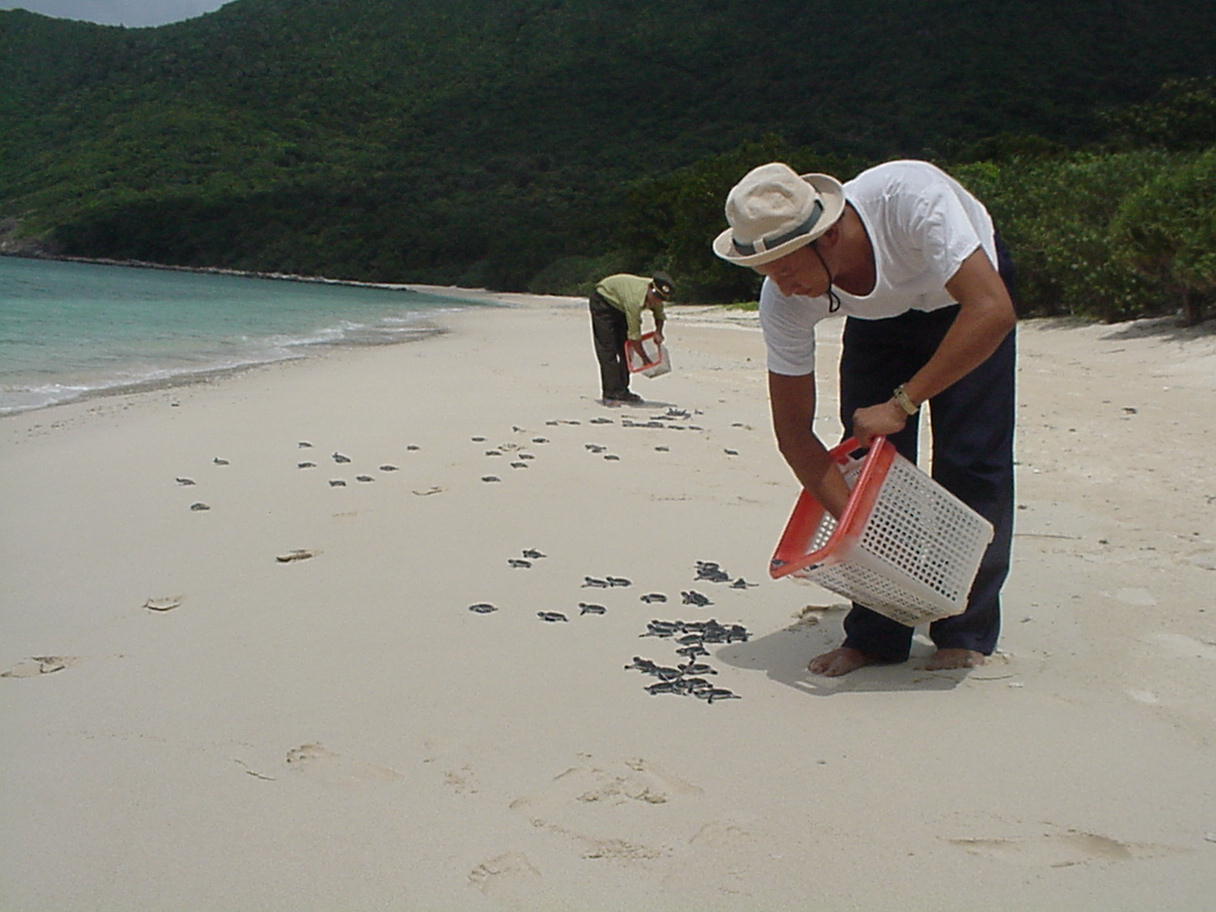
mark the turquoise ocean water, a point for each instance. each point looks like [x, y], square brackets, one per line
[69, 330]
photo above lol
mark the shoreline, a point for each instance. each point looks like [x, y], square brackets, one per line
[67, 389]
[295, 683]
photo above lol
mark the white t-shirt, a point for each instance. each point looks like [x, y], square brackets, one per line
[922, 224]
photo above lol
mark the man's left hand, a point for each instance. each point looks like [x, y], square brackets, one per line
[884, 419]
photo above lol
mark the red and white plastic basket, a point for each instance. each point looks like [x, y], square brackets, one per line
[904, 546]
[660, 363]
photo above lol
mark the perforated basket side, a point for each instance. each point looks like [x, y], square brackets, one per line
[921, 531]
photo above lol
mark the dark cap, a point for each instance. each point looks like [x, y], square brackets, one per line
[663, 285]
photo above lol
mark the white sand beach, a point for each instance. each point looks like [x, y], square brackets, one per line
[191, 723]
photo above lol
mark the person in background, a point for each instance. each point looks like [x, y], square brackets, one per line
[616, 317]
[914, 262]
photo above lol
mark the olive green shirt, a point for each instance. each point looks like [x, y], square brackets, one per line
[627, 293]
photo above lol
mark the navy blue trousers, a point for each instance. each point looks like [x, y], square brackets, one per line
[973, 426]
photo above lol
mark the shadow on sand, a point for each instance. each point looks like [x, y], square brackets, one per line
[783, 656]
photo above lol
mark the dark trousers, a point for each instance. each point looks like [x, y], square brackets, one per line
[973, 425]
[609, 332]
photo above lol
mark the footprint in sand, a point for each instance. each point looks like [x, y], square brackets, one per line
[633, 782]
[165, 603]
[458, 774]
[317, 762]
[39, 665]
[1060, 850]
[509, 878]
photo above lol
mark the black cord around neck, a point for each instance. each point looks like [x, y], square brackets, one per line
[833, 298]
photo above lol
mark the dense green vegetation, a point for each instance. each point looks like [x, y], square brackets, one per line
[541, 143]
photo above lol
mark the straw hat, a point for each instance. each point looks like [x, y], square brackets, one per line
[773, 211]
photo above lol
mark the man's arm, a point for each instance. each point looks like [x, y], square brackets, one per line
[792, 400]
[985, 317]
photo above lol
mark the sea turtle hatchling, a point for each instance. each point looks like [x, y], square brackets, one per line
[615, 581]
[586, 608]
[339, 457]
[641, 664]
[532, 554]
[516, 562]
[482, 608]
[716, 693]
[591, 582]
[693, 597]
[654, 597]
[551, 616]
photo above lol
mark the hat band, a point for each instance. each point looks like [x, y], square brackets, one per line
[765, 244]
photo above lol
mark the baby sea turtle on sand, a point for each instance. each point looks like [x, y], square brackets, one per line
[741, 583]
[662, 628]
[586, 608]
[516, 562]
[296, 554]
[695, 668]
[303, 444]
[612, 457]
[306, 465]
[709, 570]
[519, 465]
[601, 421]
[364, 478]
[184, 482]
[662, 687]
[731, 452]
[662, 449]
[199, 507]
[388, 468]
[218, 461]
[654, 597]
[693, 597]
[692, 652]
[590, 582]
[525, 456]
[641, 664]
[540, 439]
[716, 693]
[337, 483]
[594, 447]
[478, 439]
[493, 452]
[412, 447]
[338, 457]
[532, 554]
[482, 608]
[489, 478]
[618, 581]
[551, 616]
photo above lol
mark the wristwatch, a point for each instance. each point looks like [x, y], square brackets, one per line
[905, 401]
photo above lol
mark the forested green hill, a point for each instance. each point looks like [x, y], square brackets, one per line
[484, 141]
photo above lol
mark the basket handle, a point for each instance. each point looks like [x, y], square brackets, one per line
[843, 450]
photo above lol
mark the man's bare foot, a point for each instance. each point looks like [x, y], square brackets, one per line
[955, 658]
[840, 662]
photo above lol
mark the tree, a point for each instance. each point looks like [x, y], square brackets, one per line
[1167, 231]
